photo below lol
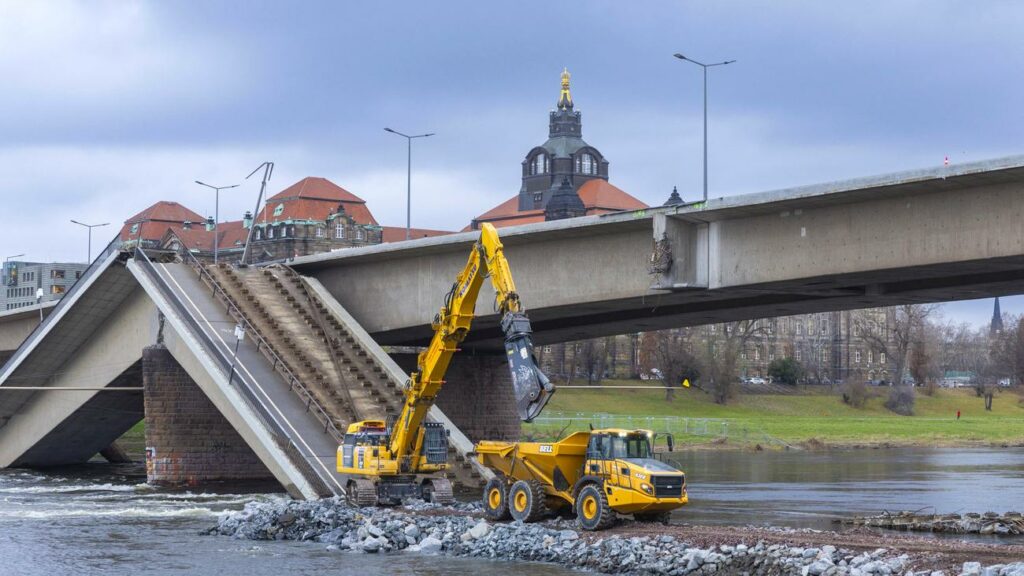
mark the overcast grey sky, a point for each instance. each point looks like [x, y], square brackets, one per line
[111, 106]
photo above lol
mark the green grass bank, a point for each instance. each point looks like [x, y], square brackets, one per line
[811, 418]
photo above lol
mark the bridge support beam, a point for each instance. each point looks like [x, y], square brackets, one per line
[682, 253]
[188, 440]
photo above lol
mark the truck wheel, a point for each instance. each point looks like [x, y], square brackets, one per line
[592, 509]
[659, 517]
[495, 499]
[526, 501]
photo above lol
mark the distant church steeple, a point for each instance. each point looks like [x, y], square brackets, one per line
[565, 98]
[996, 327]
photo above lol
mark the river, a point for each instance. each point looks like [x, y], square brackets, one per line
[102, 519]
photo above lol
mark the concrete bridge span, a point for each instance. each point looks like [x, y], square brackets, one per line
[944, 234]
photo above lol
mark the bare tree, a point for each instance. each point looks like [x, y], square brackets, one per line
[893, 336]
[591, 359]
[719, 358]
[671, 353]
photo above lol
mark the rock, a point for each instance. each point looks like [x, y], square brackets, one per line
[480, 530]
[373, 544]
[412, 530]
[430, 545]
[568, 535]
[971, 569]
[286, 519]
[819, 567]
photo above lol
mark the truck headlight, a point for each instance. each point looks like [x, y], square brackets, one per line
[647, 488]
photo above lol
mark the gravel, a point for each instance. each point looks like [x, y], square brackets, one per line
[459, 531]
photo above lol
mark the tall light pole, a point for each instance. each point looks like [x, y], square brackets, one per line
[705, 67]
[408, 179]
[88, 259]
[216, 213]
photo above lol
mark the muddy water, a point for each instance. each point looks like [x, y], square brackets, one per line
[810, 489]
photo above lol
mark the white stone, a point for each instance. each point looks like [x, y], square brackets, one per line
[971, 569]
[480, 530]
[430, 545]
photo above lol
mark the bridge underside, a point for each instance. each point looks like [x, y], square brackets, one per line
[930, 236]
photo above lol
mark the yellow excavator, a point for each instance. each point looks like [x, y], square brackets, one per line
[406, 456]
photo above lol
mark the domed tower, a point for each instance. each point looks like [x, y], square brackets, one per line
[564, 156]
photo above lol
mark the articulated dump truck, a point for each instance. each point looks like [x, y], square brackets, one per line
[595, 475]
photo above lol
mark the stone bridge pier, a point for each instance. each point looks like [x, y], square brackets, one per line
[477, 395]
[188, 440]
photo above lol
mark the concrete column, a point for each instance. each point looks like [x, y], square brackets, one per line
[477, 396]
[188, 441]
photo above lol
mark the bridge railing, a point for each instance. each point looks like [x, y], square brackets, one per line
[264, 347]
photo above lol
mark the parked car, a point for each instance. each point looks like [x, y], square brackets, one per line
[757, 380]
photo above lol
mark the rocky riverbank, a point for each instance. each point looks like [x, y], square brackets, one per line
[1009, 524]
[460, 531]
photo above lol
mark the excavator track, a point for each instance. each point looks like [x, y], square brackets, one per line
[361, 492]
[440, 491]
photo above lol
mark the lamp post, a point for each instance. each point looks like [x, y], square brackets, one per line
[88, 258]
[216, 213]
[705, 67]
[408, 178]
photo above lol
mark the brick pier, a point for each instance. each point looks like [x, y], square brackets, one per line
[477, 396]
[188, 441]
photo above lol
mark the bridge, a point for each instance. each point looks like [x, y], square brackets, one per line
[943, 234]
[151, 337]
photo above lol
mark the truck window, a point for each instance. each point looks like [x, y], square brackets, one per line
[630, 447]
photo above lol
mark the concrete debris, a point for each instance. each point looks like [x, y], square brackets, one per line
[458, 533]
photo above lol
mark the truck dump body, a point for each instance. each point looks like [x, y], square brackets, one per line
[555, 464]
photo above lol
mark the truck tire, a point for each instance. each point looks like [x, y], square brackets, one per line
[527, 501]
[658, 517]
[592, 509]
[495, 499]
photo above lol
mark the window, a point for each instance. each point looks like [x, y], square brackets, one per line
[771, 356]
[56, 274]
[279, 210]
[56, 289]
[856, 356]
[586, 164]
[871, 356]
[743, 355]
[799, 356]
[134, 229]
[78, 274]
[538, 197]
[757, 353]
[360, 234]
[319, 232]
[270, 232]
[881, 357]
[339, 231]
[824, 325]
[539, 165]
[824, 356]
[799, 329]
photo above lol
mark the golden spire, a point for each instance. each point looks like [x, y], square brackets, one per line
[565, 98]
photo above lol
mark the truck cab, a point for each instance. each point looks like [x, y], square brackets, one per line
[634, 481]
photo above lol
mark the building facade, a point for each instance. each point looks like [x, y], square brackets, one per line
[29, 283]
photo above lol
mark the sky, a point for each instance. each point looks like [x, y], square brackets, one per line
[111, 106]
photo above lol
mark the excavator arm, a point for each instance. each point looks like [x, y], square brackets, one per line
[451, 324]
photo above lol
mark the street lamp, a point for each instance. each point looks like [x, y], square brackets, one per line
[8, 259]
[88, 258]
[408, 179]
[216, 213]
[705, 67]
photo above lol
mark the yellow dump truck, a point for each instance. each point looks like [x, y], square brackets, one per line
[597, 473]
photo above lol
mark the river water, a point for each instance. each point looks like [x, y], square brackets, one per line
[102, 519]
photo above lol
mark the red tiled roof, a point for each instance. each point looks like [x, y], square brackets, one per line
[311, 209]
[155, 220]
[315, 188]
[231, 235]
[598, 196]
[397, 233]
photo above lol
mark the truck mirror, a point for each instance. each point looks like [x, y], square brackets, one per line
[671, 442]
